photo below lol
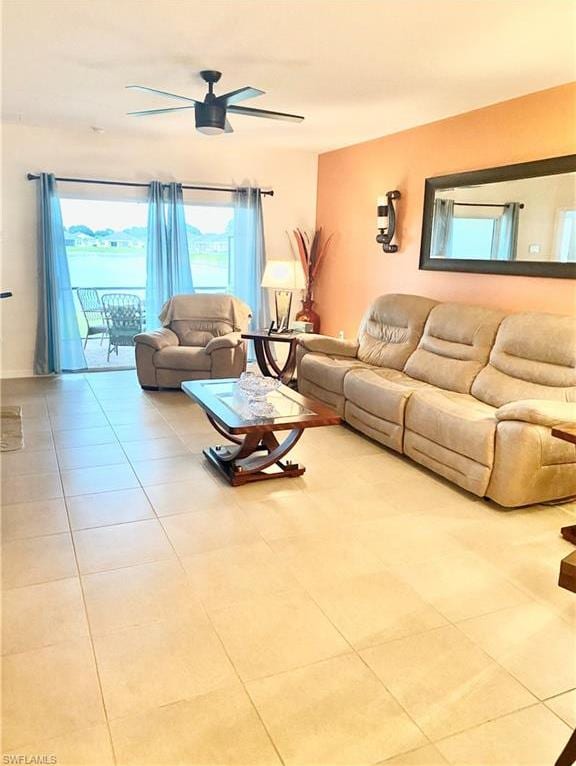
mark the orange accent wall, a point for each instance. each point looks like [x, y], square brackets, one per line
[356, 270]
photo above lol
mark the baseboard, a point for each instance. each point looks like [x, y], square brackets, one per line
[19, 374]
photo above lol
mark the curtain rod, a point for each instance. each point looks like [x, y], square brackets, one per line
[487, 204]
[35, 177]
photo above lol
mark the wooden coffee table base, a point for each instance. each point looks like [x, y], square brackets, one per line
[251, 455]
[255, 452]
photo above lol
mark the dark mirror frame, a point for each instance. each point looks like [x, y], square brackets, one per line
[549, 167]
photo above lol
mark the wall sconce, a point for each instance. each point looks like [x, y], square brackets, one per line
[387, 221]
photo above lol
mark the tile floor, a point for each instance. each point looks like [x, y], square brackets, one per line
[366, 613]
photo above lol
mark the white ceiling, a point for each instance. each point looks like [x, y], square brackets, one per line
[357, 69]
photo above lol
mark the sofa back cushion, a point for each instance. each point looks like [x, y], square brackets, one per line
[391, 329]
[197, 332]
[534, 357]
[455, 346]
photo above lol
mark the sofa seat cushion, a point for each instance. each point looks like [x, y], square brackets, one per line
[455, 421]
[328, 372]
[382, 392]
[183, 358]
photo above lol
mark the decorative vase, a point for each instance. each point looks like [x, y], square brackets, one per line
[307, 314]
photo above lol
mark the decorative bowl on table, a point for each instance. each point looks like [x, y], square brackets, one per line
[256, 387]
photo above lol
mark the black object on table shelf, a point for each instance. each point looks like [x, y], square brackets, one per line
[6, 294]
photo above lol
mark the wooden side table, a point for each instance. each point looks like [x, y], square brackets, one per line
[265, 357]
[567, 580]
[568, 434]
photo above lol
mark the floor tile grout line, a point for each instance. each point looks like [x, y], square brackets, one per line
[224, 649]
[216, 633]
[477, 646]
[372, 672]
[91, 638]
[537, 703]
[456, 625]
[543, 702]
[533, 597]
[560, 694]
[141, 486]
[452, 624]
[490, 657]
[352, 649]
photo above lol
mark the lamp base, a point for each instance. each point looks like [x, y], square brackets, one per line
[283, 302]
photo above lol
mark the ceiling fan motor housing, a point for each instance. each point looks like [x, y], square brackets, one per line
[210, 118]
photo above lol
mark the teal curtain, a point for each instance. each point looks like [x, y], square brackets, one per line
[168, 269]
[442, 228]
[180, 269]
[58, 340]
[250, 254]
[505, 240]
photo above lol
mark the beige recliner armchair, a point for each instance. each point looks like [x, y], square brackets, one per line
[200, 339]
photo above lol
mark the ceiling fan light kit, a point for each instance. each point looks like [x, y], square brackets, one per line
[210, 119]
[211, 113]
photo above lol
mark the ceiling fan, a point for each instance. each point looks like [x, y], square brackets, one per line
[211, 113]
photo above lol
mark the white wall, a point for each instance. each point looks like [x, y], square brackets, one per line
[84, 153]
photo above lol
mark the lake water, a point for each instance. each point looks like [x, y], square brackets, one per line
[116, 270]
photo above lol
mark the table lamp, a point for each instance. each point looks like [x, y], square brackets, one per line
[283, 277]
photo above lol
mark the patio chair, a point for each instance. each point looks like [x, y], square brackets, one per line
[124, 315]
[93, 313]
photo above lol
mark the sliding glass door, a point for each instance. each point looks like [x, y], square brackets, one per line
[210, 230]
[106, 248]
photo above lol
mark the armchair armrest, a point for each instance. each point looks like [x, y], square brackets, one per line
[158, 339]
[231, 340]
[325, 344]
[540, 412]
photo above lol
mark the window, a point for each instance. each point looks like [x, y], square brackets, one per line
[105, 243]
[473, 237]
[566, 237]
[210, 231]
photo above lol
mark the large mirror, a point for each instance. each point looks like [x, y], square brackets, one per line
[518, 219]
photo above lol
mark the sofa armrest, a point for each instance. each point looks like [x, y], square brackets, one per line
[158, 339]
[540, 412]
[325, 344]
[231, 340]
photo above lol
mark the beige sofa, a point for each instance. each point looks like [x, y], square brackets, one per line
[469, 392]
[200, 339]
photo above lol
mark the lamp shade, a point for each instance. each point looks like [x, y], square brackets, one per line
[284, 275]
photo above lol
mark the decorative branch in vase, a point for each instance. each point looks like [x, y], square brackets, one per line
[312, 249]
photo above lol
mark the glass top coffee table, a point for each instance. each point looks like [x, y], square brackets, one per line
[256, 453]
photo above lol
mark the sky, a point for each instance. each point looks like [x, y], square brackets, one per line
[105, 214]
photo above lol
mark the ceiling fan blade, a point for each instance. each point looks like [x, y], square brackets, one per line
[228, 128]
[158, 111]
[161, 93]
[239, 95]
[265, 113]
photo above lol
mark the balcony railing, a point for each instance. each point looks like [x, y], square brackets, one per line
[141, 291]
